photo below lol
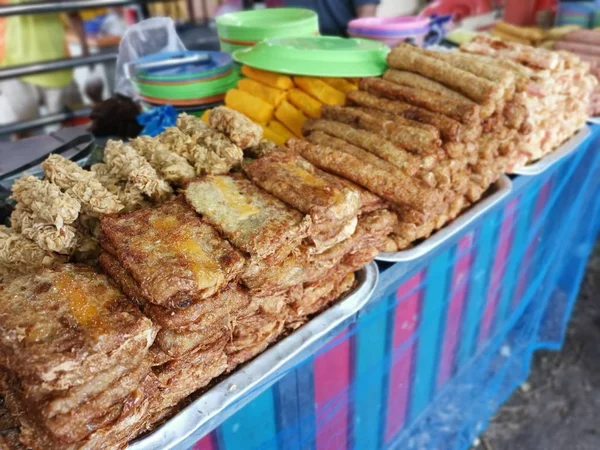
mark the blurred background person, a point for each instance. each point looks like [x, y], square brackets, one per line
[33, 38]
[334, 15]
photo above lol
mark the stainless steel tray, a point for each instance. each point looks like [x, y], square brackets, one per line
[553, 157]
[502, 188]
[223, 400]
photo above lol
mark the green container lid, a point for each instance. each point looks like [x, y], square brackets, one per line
[249, 27]
[188, 90]
[318, 56]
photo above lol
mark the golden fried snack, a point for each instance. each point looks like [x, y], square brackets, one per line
[46, 200]
[305, 103]
[82, 185]
[257, 223]
[176, 257]
[178, 142]
[171, 165]
[269, 136]
[237, 127]
[409, 57]
[340, 84]
[126, 164]
[271, 95]
[371, 142]
[415, 139]
[320, 90]
[329, 203]
[403, 191]
[417, 81]
[479, 67]
[291, 117]
[465, 113]
[263, 148]
[449, 129]
[213, 140]
[19, 254]
[536, 58]
[255, 108]
[272, 79]
[47, 236]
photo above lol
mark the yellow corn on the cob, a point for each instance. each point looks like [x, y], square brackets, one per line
[340, 84]
[271, 95]
[305, 103]
[291, 117]
[253, 107]
[320, 90]
[269, 78]
[280, 129]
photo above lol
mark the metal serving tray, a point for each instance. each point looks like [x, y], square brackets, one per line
[220, 402]
[556, 155]
[501, 189]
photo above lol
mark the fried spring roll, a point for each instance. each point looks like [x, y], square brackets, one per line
[467, 114]
[420, 82]
[407, 137]
[403, 191]
[449, 129]
[324, 139]
[480, 68]
[371, 142]
[480, 90]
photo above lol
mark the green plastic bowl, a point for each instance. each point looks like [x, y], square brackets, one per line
[246, 28]
[319, 56]
[188, 91]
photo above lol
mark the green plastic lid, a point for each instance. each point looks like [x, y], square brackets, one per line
[318, 56]
[248, 27]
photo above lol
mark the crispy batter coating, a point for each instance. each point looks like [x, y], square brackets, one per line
[405, 135]
[176, 257]
[21, 255]
[173, 167]
[254, 221]
[213, 140]
[126, 164]
[46, 200]
[130, 196]
[411, 58]
[298, 183]
[371, 142]
[396, 190]
[48, 237]
[465, 113]
[82, 185]
[178, 142]
[263, 148]
[450, 129]
[242, 131]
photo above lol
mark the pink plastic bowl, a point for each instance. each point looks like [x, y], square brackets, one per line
[398, 24]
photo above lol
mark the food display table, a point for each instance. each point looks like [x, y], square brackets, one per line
[446, 338]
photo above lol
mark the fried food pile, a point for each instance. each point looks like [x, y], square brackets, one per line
[281, 104]
[75, 369]
[557, 94]
[57, 219]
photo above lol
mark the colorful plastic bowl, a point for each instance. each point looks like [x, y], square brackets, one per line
[246, 28]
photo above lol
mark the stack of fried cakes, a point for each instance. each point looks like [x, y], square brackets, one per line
[76, 371]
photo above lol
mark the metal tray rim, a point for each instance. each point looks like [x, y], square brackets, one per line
[265, 366]
[504, 186]
[556, 155]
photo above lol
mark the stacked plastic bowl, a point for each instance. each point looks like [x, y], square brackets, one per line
[420, 30]
[190, 81]
[246, 28]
